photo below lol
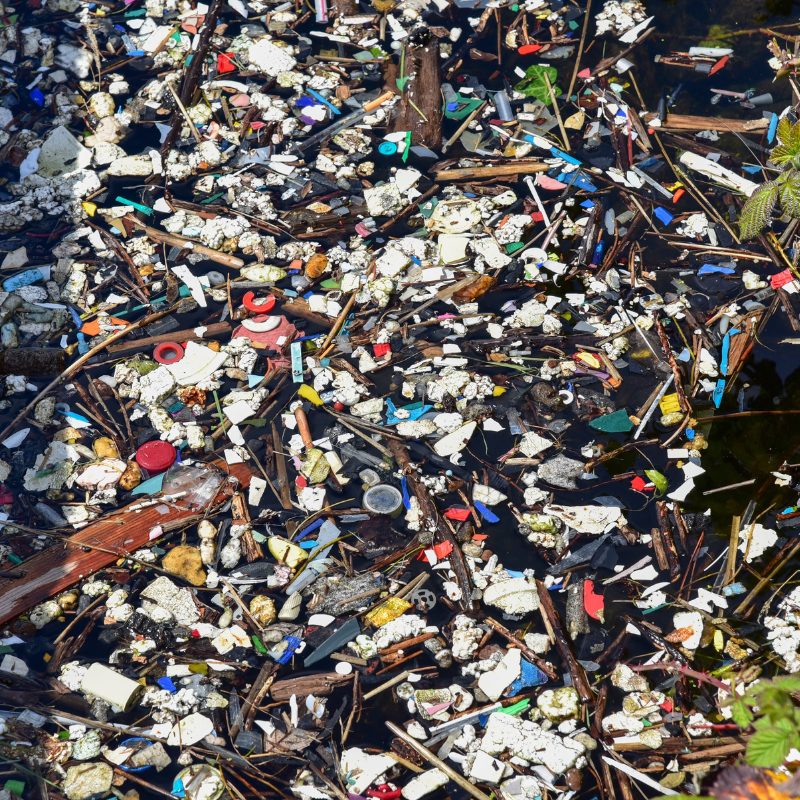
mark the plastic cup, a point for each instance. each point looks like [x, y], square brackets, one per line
[383, 499]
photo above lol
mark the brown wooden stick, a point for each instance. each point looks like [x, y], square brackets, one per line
[579, 680]
[498, 170]
[430, 513]
[540, 663]
[182, 241]
[179, 337]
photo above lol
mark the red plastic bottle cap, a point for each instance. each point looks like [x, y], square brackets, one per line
[168, 353]
[264, 307]
[156, 457]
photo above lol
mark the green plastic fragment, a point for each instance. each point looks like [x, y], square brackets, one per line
[259, 537]
[5, 649]
[138, 206]
[258, 646]
[514, 246]
[618, 422]
[212, 198]
[15, 787]
[517, 708]
[256, 423]
[14, 558]
[573, 25]
[466, 105]
[408, 147]
[427, 208]
[137, 12]
[330, 283]
[199, 669]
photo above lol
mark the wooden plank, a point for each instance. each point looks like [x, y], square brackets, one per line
[179, 337]
[56, 569]
[683, 122]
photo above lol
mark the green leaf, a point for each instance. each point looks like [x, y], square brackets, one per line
[789, 147]
[789, 683]
[757, 211]
[789, 192]
[741, 714]
[658, 479]
[768, 748]
[534, 84]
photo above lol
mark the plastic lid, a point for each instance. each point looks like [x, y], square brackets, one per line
[156, 457]
[387, 148]
[382, 499]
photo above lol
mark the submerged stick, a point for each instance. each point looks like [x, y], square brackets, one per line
[437, 762]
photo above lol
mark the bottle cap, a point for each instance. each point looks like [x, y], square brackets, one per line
[156, 457]
[387, 148]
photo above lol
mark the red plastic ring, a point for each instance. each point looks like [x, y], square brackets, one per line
[168, 353]
[260, 308]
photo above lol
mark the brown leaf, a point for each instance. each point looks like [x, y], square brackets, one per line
[679, 635]
[498, 358]
[316, 265]
[173, 289]
[439, 32]
[748, 783]
[479, 55]
[276, 741]
[475, 290]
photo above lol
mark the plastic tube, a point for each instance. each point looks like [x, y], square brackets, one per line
[503, 107]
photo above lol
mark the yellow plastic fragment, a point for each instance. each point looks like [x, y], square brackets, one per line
[286, 552]
[669, 404]
[308, 393]
[89, 208]
[387, 611]
[590, 360]
[497, 391]
[719, 640]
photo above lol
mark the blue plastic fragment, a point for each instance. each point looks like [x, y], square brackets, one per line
[309, 544]
[587, 204]
[529, 676]
[177, 788]
[293, 643]
[406, 498]
[733, 589]
[485, 513]
[76, 317]
[773, 127]
[719, 390]
[709, 269]
[26, 279]
[663, 215]
[73, 415]
[310, 529]
[83, 345]
[689, 433]
[166, 683]
[323, 100]
[37, 97]
[752, 168]
[726, 346]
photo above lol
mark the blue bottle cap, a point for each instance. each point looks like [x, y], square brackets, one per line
[387, 148]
